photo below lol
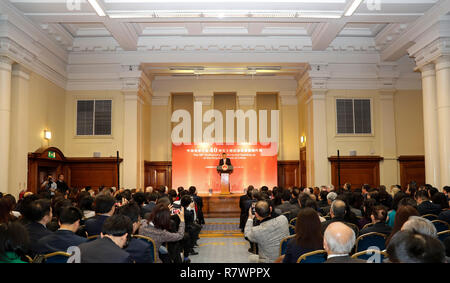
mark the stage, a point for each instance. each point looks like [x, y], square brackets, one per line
[221, 206]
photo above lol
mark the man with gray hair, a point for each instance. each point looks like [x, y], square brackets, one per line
[338, 242]
[420, 225]
[330, 198]
[337, 213]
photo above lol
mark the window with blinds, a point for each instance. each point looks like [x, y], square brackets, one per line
[94, 117]
[353, 116]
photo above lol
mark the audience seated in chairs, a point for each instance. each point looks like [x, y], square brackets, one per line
[104, 207]
[308, 236]
[140, 252]
[108, 248]
[14, 242]
[379, 215]
[338, 241]
[64, 237]
[268, 234]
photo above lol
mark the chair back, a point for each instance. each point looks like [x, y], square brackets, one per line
[291, 230]
[56, 257]
[318, 256]
[152, 244]
[373, 239]
[284, 243]
[430, 217]
[367, 225]
[440, 225]
[293, 221]
[365, 255]
[93, 237]
[443, 235]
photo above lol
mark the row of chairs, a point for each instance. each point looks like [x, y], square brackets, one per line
[364, 246]
[62, 257]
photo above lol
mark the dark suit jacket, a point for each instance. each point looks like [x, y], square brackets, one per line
[139, 251]
[244, 214]
[336, 219]
[36, 231]
[60, 240]
[94, 224]
[284, 207]
[379, 227]
[62, 186]
[445, 216]
[294, 251]
[295, 209]
[344, 259]
[103, 250]
[427, 207]
[228, 162]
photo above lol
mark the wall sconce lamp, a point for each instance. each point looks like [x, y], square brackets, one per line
[47, 134]
[302, 139]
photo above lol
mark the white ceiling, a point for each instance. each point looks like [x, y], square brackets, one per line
[66, 23]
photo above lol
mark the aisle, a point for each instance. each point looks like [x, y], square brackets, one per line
[221, 241]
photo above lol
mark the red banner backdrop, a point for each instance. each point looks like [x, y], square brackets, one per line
[195, 165]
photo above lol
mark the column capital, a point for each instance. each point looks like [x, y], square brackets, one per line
[443, 62]
[246, 99]
[428, 70]
[6, 63]
[20, 71]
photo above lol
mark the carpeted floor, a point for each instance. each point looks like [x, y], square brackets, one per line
[221, 241]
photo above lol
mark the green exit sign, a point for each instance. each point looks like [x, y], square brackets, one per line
[51, 154]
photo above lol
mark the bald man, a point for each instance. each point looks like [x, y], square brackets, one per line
[338, 242]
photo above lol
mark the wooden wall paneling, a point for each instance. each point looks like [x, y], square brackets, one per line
[356, 170]
[302, 167]
[412, 168]
[288, 173]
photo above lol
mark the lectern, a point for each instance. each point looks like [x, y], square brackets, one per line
[225, 171]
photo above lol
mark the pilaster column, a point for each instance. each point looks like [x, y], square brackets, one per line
[18, 155]
[430, 126]
[389, 166]
[5, 117]
[316, 148]
[443, 115]
[133, 162]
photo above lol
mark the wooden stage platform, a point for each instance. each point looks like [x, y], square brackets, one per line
[221, 206]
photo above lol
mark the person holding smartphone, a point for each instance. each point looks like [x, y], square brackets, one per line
[157, 227]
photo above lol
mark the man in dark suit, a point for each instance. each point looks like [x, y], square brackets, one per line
[224, 160]
[109, 247]
[39, 213]
[140, 251]
[64, 237]
[285, 205]
[198, 205]
[338, 242]
[62, 185]
[379, 215]
[425, 206]
[337, 213]
[104, 207]
[244, 209]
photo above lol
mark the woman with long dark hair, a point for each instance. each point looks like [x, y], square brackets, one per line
[157, 226]
[308, 235]
[402, 215]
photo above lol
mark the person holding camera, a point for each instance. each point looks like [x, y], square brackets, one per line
[268, 234]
